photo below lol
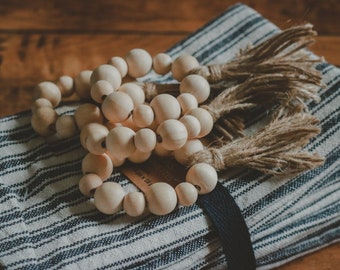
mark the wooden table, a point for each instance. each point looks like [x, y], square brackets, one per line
[42, 40]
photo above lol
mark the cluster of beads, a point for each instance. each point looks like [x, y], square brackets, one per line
[120, 125]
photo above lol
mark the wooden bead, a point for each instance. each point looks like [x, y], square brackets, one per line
[43, 121]
[117, 107]
[186, 193]
[93, 136]
[182, 65]
[192, 125]
[108, 73]
[161, 63]
[161, 198]
[139, 156]
[161, 151]
[40, 103]
[120, 142]
[182, 155]
[187, 102]
[130, 124]
[205, 119]
[145, 140]
[120, 64]
[143, 115]
[197, 86]
[108, 198]
[165, 107]
[89, 183]
[116, 161]
[135, 92]
[49, 91]
[172, 134]
[100, 90]
[66, 126]
[139, 62]
[134, 203]
[203, 176]
[66, 85]
[87, 113]
[82, 84]
[100, 165]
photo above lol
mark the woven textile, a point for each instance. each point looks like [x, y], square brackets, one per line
[46, 223]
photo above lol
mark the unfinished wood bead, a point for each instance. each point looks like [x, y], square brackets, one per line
[40, 103]
[172, 134]
[161, 151]
[135, 92]
[82, 84]
[66, 85]
[165, 107]
[203, 176]
[87, 113]
[117, 107]
[145, 140]
[100, 165]
[100, 90]
[108, 73]
[120, 64]
[205, 119]
[93, 136]
[161, 198]
[192, 125]
[89, 183]
[49, 91]
[43, 121]
[182, 155]
[139, 156]
[108, 198]
[186, 193]
[66, 126]
[197, 86]
[143, 115]
[161, 63]
[134, 203]
[187, 102]
[139, 62]
[182, 66]
[116, 161]
[120, 142]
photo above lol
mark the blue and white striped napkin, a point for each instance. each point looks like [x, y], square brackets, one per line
[46, 223]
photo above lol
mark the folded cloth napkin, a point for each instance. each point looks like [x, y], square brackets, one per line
[46, 223]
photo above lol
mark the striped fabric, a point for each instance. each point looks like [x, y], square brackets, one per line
[46, 223]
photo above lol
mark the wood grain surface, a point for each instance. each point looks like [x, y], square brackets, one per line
[42, 40]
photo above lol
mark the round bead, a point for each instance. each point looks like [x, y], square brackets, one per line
[89, 183]
[49, 91]
[66, 85]
[139, 156]
[161, 198]
[145, 140]
[192, 125]
[187, 102]
[100, 89]
[87, 113]
[134, 203]
[116, 162]
[161, 63]
[120, 142]
[161, 151]
[143, 115]
[191, 147]
[108, 73]
[66, 126]
[165, 107]
[205, 119]
[139, 62]
[43, 121]
[203, 176]
[108, 198]
[135, 92]
[186, 193]
[100, 165]
[40, 103]
[130, 124]
[182, 65]
[82, 84]
[172, 134]
[197, 86]
[117, 107]
[93, 136]
[120, 64]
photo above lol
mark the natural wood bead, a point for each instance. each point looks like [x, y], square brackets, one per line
[205, 119]
[120, 142]
[108, 198]
[100, 90]
[87, 130]
[108, 73]
[82, 84]
[143, 115]
[66, 85]
[161, 151]
[161, 63]
[87, 113]
[172, 134]
[145, 140]
[66, 126]
[161, 198]
[43, 121]
[203, 176]
[165, 107]
[186, 193]
[134, 203]
[192, 125]
[139, 62]
[182, 65]
[40, 103]
[116, 161]
[182, 155]
[100, 165]
[94, 136]
[187, 102]
[117, 107]
[130, 124]
[139, 156]
[197, 86]
[135, 92]
[120, 64]
[89, 183]
[49, 91]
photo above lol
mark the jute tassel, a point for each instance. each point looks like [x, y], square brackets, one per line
[276, 149]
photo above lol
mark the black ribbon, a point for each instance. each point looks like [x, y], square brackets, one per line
[232, 229]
